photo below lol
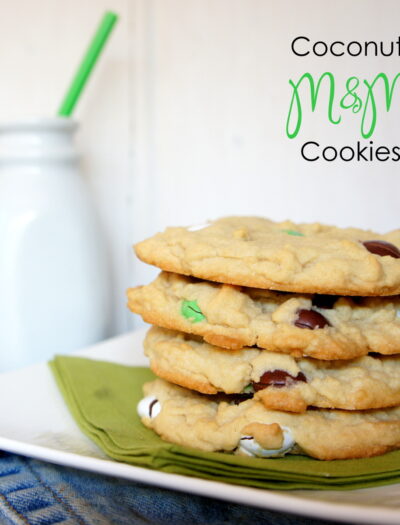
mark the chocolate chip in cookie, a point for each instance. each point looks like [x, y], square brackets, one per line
[310, 319]
[382, 248]
[278, 379]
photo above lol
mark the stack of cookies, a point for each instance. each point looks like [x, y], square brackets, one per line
[273, 338]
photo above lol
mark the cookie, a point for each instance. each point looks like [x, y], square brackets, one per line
[259, 253]
[279, 381]
[207, 423]
[323, 327]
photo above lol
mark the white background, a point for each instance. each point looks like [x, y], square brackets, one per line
[184, 117]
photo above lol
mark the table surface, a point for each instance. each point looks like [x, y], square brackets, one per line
[35, 492]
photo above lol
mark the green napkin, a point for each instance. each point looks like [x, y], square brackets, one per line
[102, 398]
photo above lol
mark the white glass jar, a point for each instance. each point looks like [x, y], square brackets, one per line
[54, 283]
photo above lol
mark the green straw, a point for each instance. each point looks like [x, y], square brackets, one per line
[87, 64]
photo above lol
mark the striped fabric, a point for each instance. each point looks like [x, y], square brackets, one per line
[33, 492]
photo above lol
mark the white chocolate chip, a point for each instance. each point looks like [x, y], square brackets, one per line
[197, 227]
[149, 407]
[249, 446]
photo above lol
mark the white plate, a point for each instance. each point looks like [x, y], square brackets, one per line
[35, 422]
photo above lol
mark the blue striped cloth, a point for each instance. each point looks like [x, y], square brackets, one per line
[33, 492]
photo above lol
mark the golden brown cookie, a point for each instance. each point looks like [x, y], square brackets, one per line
[323, 327]
[305, 258]
[183, 417]
[278, 380]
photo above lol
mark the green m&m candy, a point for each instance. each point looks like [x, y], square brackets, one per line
[248, 389]
[293, 232]
[191, 311]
